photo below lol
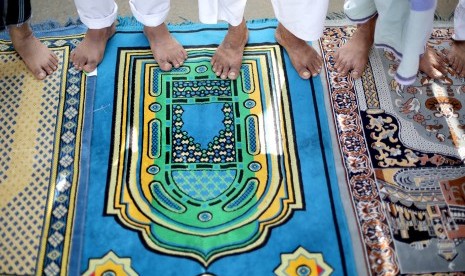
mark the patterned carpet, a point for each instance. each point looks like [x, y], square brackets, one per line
[41, 138]
[402, 150]
[143, 172]
[208, 176]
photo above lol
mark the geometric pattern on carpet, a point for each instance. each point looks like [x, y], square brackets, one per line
[40, 135]
[201, 166]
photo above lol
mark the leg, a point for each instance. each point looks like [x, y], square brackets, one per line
[37, 57]
[353, 56]
[293, 34]
[456, 54]
[417, 30]
[227, 60]
[99, 17]
[306, 61]
[166, 50]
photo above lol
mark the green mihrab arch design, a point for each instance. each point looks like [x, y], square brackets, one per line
[203, 167]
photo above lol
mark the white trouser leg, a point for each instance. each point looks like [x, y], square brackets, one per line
[97, 14]
[150, 13]
[360, 11]
[231, 11]
[459, 21]
[303, 18]
[417, 31]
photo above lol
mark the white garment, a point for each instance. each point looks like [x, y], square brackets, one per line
[303, 18]
[231, 11]
[98, 14]
[403, 26]
[459, 21]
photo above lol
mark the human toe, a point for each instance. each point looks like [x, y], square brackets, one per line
[232, 75]
[178, 61]
[40, 74]
[52, 65]
[461, 71]
[224, 74]
[89, 67]
[358, 69]
[305, 74]
[343, 70]
[78, 63]
[218, 69]
[435, 73]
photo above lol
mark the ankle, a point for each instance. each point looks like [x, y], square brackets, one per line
[239, 28]
[98, 34]
[157, 31]
[286, 38]
[20, 33]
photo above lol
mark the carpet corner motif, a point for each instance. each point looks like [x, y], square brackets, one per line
[303, 263]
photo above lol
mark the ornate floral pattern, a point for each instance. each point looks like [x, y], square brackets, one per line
[397, 143]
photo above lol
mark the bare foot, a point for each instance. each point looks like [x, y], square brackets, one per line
[353, 56]
[166, 50]
[456, 57]
[433, 64]
[304, 58]
[227, 60]
[89, 53]
[37, 57]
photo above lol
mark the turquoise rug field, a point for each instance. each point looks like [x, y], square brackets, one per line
[191, 174]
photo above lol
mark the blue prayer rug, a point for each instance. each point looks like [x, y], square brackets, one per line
[194, 175]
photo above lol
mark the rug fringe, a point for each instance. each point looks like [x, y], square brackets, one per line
[53, 24]
[438, 17]
[341, 15]
[128, 21]
[262, 20]
[131, 23]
